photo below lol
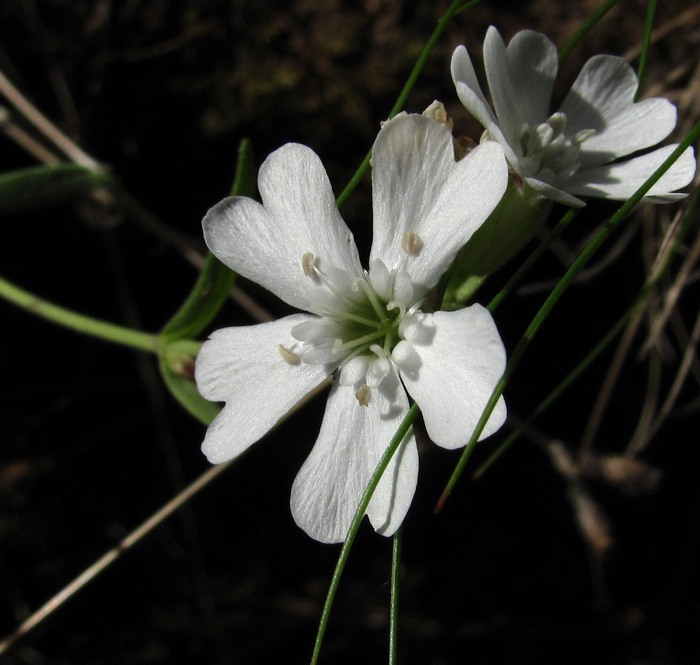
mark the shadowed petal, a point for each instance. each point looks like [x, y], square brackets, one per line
[266, 243]
[555, 194]
[243, 367]
[619, 181]
[455, 374]
[470, 94]
[520, 78]
[418, 187]
[602, 98]
[353, 438]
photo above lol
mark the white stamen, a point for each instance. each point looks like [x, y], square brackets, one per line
[584, 135]
[289, 356]
[544, 134]
[437, 111]
[557, 121]
[547, 153]
[308, 265]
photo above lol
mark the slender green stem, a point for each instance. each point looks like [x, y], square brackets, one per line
[644, 53]
[78, 322]
[394, 605]
[646, 291]
[554, 297]
[532, 259]
[586, 27]
[355, 526]
[456, 7]
[563, 385]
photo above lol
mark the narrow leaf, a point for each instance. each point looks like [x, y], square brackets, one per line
[44, 186]
[211, 288]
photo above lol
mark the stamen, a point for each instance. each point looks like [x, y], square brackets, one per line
[289, 356]
[360, 341]
[544, 134]
[411, 243]
[584, 135]
[344, 315]
[557, 121]
[372, 297]
[437, 111]
[393, 304]
[307, 264]
[362, 394]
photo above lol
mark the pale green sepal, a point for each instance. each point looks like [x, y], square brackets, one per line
[43, 186]
[185, 392]
[208, 295]
[510, 226]
[177, 361]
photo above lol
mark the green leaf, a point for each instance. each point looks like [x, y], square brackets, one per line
[204, 302]
[510, 226]
[211, 288]
[197, 312]
[43, 186]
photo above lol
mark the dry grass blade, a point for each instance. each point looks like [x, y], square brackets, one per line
[109, 557]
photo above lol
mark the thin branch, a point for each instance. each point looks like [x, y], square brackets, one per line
[45, 126]
[99, 566]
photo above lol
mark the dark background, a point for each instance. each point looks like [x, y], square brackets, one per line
[92, 444]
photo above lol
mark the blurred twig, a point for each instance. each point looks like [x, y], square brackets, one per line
[146, 219]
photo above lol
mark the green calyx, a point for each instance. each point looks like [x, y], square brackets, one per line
[510, 227]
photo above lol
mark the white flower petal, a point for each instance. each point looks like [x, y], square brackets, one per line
[550, 192]
[470, 94]
[602, 98]
[520, 78]
[619, 181]
[456, 375]
[353, 438]
[266, 243]
[417, 186]
[244, 368]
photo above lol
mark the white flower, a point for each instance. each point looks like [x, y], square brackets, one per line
[366, 326]
[572, 152]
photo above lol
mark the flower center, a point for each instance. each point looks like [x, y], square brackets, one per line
[547, 152]
[359, 322]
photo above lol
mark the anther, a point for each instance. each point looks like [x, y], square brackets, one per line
[308, 264]
[362, 394]
[584, 135]
[411, 243]
[288, 356]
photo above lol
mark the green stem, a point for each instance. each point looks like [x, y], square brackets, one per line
[644, 52]
[563, 385]
[640, 301]
[586, 27]
[532, 259]
[355, 526]
[394, 605]
[456, 7]
[78, 322]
